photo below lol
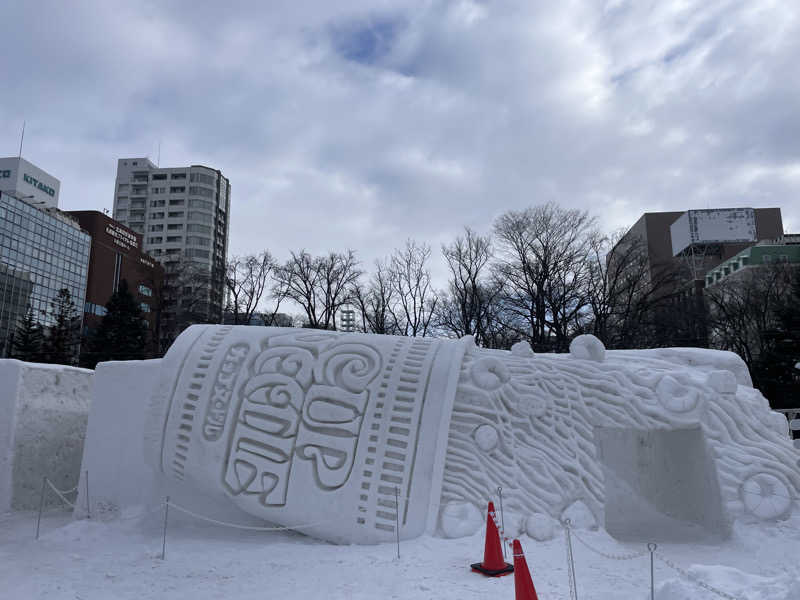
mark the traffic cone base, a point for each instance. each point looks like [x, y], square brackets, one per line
[493, 564]
[507, 570]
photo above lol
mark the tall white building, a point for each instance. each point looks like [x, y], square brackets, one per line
[183, 214]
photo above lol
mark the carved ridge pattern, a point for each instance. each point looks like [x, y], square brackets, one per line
[193, 395]
[394, 426]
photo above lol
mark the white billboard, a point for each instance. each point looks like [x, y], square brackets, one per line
[713, 225]
[27, 181]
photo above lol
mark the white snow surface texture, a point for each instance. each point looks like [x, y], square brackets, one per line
[43, 414]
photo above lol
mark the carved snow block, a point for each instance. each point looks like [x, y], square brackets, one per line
[304, 427]
[43, 414]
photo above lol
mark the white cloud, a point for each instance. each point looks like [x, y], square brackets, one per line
[359, 124]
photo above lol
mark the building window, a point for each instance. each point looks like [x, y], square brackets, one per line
[177, 189]
[156, 203]
[157, 215]
[194, 240]
[159, 176]
[145, 307]
[176, 202]
[203, 204]
[195, 228]
[155, 240]
[175, 227]
[200, 217]
[123, 187]
[159, 227]
[158, 190]
[766, 258]
[178, 214]
[172, 239]
[201, 191]
[178, 176]
[144, 290]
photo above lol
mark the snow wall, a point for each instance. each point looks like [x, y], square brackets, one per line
[43, 414]
[350, 435]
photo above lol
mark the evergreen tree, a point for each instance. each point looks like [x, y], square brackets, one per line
[27, 344]
[62, 339]
[775, 372]
[122, 334]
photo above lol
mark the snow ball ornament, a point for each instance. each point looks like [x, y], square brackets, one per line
[459, 519]
[587, 347]
[766, 497]
[723, 382]
[579, 515]
[540, 527]
[522, 349]
[486, 437]
[489, 373]
[676, 397]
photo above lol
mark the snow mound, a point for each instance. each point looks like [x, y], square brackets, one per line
[739, 584]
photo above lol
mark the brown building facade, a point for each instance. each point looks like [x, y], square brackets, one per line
[116, 254]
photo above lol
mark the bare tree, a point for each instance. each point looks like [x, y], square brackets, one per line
[320, 285]
[376, 301]
[246, 279]
[746, 306]
[411, 283]
[184, 298]
[543, 253]
[470, 304]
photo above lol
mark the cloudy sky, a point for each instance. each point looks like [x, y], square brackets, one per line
[360, 124]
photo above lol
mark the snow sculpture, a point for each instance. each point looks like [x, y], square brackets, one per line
[352, 435]
[43, 413]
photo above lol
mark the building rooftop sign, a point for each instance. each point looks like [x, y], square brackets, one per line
[26, 181]
[713, 226]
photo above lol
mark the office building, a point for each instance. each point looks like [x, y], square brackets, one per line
[681, 248]
[763, 254]
[695, 241]
[117, 255]
[42, 251]
[28, 182]
[182, 214]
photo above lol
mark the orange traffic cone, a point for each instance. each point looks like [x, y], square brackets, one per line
[523, 584]
[493, 564]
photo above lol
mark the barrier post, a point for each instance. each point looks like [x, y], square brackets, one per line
[164, 536]
[573, 584]
[502, 516]
[88, 510]
[652, 548]
[41, 506]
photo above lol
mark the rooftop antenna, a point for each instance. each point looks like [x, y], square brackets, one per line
[21, 138]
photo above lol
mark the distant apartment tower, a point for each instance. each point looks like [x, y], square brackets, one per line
[183, 214]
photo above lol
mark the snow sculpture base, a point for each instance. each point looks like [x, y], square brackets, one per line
[43, 412]
[349, 435]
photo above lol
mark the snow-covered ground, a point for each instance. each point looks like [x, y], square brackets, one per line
[92, 560]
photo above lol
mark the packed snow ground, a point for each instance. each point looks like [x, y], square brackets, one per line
[93, 560]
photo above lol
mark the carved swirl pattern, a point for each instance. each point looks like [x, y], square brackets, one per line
[304, 399]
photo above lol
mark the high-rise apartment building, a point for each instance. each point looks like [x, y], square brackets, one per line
[183, 215]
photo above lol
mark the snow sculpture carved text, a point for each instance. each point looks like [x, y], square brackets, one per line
[302, 426]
